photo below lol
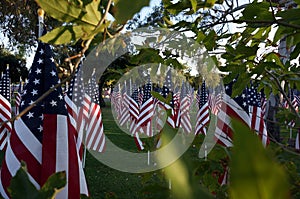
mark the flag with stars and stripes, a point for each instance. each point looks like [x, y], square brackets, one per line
[124, 113]
[167, 90]
[42, 137]
[185, 103]
[203, 112]
[95, 138]
[18, 96]
[256, 114]
[134, 116]
[5, 109]
[74, 99]
[236, 108]
[146, 111]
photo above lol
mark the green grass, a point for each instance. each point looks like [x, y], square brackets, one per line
[105, 182]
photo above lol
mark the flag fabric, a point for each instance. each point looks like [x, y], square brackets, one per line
[203, 112]
[95, 138]
[74, 99]
[245, 108]
[43, 137]
[256, 114]
[167, 90]
[146, 111]
[116, 101]
[124, 113]
[5, 109]
[230, 108]
[177, 113]
[18, 96]
[134, 116]
[185, 118]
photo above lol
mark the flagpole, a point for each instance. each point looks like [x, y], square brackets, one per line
[41, 14]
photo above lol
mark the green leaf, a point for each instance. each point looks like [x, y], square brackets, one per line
[21, 187]
[257, 11]
[65, 11]
[124, 9]
[158, 96]
[254, 174]
[64, 35]
[290, 16]
[53, 185]
[194, 5]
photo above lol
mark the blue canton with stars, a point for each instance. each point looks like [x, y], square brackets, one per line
[5, 85]
[147, 90]
[240, 99]
[42, 76]
[203, 95]
[76, 89]
[93, 89]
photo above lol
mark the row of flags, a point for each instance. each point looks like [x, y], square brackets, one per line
[51, 136]
[144, 114]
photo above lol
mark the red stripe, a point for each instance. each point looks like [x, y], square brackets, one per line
[49, 146]
[73, 177]
[23, 154]
[5, 177]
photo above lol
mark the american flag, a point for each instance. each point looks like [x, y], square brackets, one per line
[177, 114]
[116, 101]
[167, 90]
[203, 111]
[42, 137]
[256, 114]
[95, 138]
[124, 113]
[230, 108]
[134, 116]
[185, 103]
[5, 109]
[18, 96]
[146, 111]
[74, 100]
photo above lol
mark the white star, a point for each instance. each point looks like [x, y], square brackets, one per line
[243, 95]
[53, 73]
[40, 128]
[41, 117]
[60, 97]
[31, 102]
[36, 81]
[29, 115]
[34, 92]
[52, 60]
[38, 71]
[22, 103]
[41, 51]
[40, 61]
[53, 103]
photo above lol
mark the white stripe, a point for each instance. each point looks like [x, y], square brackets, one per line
[62, 149]
[29, 140]
[13, 164]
